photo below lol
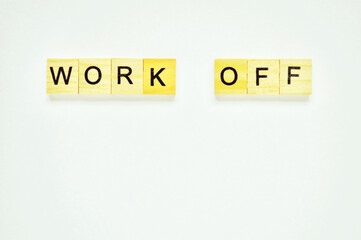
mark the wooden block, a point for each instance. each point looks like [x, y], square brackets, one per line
[296, 76]
[263, 76]
[230, 76]
[159, 76]
[127, 76]
[94, 76]
[62, 76]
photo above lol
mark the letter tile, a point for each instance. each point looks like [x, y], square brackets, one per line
[159, 76]
[230, 76]
[127, 76]
[62, 76]
[263, 76]
[296, 76]
[94, 76]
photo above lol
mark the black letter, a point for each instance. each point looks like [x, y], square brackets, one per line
[61, 70]
[292, 75]
[124, 75]
[235, 76]
[260, 76]
[99, 74]
[152, 77]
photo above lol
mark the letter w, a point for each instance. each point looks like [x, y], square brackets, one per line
[61, 70]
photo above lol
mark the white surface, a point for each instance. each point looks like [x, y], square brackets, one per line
[192, 167]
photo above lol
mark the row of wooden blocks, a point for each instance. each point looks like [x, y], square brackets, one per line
[263, 76]
[111, 76]
[158, 76]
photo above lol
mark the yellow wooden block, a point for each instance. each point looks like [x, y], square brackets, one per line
[296, 76]
[62, 76]
[263, 76]
[127, 76]
[230, 76]
[95, 76]
[159, 76]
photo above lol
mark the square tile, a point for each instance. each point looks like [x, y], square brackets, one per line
[230, 76]
[263, 76]
[62, 76]
[159, 76]
[94, 76]
[296, 76]
[127, 76]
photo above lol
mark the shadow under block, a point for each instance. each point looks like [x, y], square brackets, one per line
[62, 76]
[94, 76]
[159, 76]
[263, 76]
[296, 76]
[230, 76]
[127, 76]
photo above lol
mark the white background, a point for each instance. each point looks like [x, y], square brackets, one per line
[189, 167]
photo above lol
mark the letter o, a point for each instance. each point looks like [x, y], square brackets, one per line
[99, 75]
[235, 76]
